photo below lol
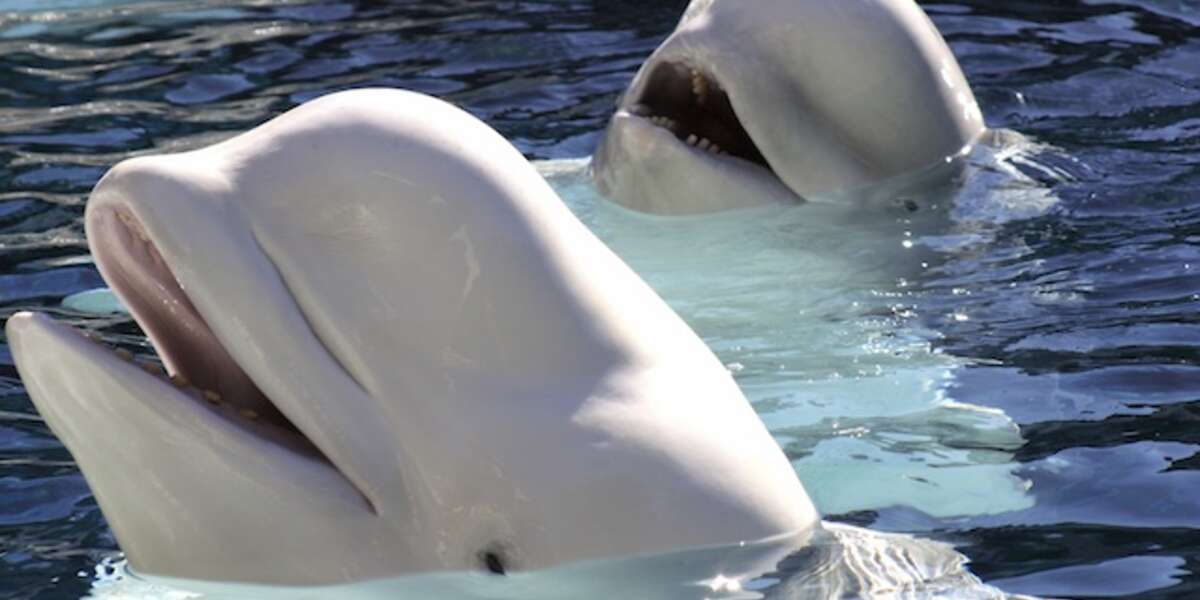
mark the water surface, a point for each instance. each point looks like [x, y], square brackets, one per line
[1016, 375]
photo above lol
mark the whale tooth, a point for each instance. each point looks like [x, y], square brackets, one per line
[152, 368]
[211, 396]
[640, 110]
[126, 220]
[715, 149]
[179, 381]
[248, 413]
[691, 140]
[704, 144]
[124, 354]
[699, 86]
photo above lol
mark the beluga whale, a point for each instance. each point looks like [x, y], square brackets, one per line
[750, 103]
[388, 348]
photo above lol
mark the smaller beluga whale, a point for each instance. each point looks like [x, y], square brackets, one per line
[751, 103]
[388, 348]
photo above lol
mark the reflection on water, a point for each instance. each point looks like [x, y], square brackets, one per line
[1021, 381]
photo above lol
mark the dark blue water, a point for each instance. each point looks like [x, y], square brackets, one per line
[1084, 325]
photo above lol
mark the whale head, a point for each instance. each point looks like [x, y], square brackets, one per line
[389, 348]
[781, 100]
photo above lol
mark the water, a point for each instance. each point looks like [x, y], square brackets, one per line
[1016, 375]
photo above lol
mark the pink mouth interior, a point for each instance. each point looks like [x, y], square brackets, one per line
[693, 106]
[194, 358]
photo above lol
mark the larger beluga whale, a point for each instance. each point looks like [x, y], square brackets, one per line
[750, 103]
[389, 349]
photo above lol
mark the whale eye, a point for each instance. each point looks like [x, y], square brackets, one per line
[492, 560]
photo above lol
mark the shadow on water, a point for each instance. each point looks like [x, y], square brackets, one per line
[1028, 394]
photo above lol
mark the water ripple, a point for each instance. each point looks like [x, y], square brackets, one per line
[1071, 308]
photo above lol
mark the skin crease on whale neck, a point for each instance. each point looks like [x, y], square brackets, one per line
[389, 348]
[784, 101]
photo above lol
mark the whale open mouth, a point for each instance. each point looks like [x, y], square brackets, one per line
[197, 365]
[694, 107]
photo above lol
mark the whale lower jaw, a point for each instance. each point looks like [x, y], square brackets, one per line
[97, 377]
[202, 471]
[662, 174]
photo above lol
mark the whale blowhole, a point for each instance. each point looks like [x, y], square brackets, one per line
[697, 110]
[196, 363]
